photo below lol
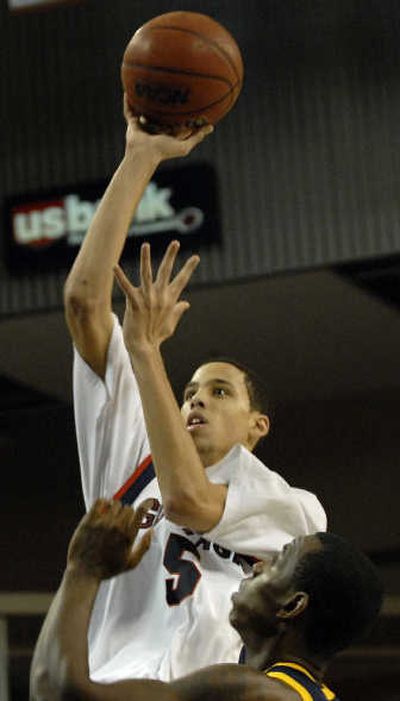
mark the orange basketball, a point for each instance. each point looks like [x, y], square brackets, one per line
[181, 69]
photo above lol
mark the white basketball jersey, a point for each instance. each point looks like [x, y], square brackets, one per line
[169, 616]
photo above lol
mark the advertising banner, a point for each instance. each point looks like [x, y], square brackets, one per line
[45, 229]
[31, 5]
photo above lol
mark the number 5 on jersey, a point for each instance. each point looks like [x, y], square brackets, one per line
[188, 575]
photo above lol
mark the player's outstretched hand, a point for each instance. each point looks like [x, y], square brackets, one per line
[162, 146]
[154, 309]
[103, 543]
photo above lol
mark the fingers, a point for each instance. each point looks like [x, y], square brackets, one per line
[123, 282]
[167, 264]
[113, 512]
[189, 142]
[166, 267]
[163, 274]
[128, 114]
[129, 522]
[146, 273]
[180, 309]
[163, 277]
[126, 107]
[182, 278]
[139, 550]
[103, 541]
[103, 510]
[137, 518]
[99, 508]
[106, 510]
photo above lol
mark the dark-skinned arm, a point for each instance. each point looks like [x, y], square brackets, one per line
[103, 546]
[100, 548]
[60, 667]
[231, 682]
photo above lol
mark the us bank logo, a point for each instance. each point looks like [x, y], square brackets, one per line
[46, 230]
[40, 224]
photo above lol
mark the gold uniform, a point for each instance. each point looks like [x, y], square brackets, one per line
[299, 679]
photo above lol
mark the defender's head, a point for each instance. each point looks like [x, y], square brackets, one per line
[222, 407]
[319, 587]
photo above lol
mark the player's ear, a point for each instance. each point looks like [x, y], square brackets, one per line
[259, 427]
[294, 607]
[263, 424]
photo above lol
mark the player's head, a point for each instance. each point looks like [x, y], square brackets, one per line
[222, 406]
[319, 587]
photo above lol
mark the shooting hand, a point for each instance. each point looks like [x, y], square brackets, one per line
[161, 146]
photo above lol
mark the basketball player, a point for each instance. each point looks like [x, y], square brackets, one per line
[213, 499]
[294, 613]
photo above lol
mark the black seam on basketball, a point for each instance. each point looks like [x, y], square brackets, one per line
[206, 39]
[198, 109]
[160, 69]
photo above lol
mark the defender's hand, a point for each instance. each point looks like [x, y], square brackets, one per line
[101, 546]
[161, 146]
[153, 310]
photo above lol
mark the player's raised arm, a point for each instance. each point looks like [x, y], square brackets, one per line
[101, 547]
[152, 314]
[104, 546]
[89, 285]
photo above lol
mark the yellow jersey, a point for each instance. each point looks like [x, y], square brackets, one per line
[301, 680]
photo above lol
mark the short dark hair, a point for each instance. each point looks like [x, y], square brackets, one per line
[256, 389]
[345, 594]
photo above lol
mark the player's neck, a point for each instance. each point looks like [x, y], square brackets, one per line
[210, 456]
[283, 648]
[257, 649]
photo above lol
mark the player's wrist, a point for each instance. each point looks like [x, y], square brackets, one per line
[145, 351]
[77, 573]
[144, 153]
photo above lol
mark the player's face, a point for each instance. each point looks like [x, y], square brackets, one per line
[216, 411]
[268, 589]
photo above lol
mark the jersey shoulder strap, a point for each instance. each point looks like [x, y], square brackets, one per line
[300, 680]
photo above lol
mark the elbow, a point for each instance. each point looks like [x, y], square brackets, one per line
[180, 509]
[174, 512]
[200, 511]
[188, 510]
[36, 684]
[79, 304]
[40, 687]
[76, 297]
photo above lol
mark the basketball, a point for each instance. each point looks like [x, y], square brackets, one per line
[181, 70]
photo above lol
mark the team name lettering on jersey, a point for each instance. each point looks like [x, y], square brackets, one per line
[156, 513]
[244, 561]
[181, 555]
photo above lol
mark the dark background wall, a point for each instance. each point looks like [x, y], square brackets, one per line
[308, 161]
[308, 173]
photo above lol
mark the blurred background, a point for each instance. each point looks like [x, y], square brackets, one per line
[299, 279]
